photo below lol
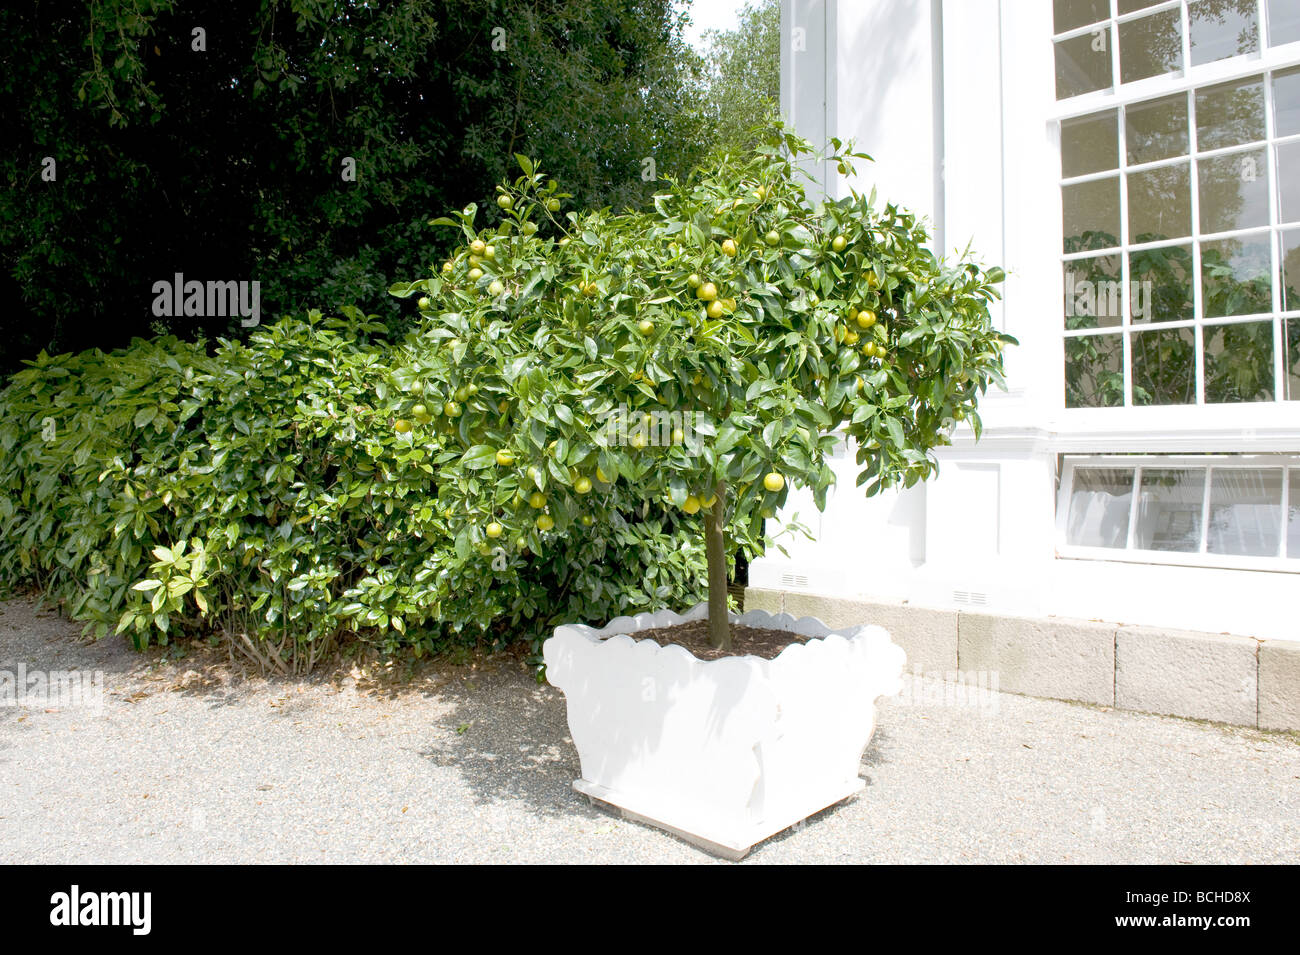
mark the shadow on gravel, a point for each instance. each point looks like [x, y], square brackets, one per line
[508, 737]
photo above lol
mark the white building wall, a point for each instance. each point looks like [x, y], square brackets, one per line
[953, 101]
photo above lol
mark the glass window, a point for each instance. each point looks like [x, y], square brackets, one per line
[1100, 503]
[1291, 360]
[1164, 367]
[1157, 129]
[1150, 46]
[1222, 28]
[1160, 203]
[1161, 286]
[1083, 64]
[1094, 371]
[1169, 509]
[1288, 182]
[1230, 115]
[1072, 14]
[1212, 506]
[1234, 191]
[1237, 276]
[1239, 362]
[1283, 22]
[1286, 102]
[1093, 292]
[1245, 512]
[1091, 211]
[1293, 518]
[1090, 144]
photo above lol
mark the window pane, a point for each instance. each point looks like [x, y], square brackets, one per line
[1091, 211]
[1164, 367]
[1234, 191]
[1078, 13]
[1129, 6]
[1169, 509]
[1161, 287]
[1283, 21]
[1093, 288]
[1245, 512]
[1290, 270]
[1160, 203]
[1293, 519]
[1222, 28]
[1157, 130]
[1230, 115]
[1100, 503]
[1288, 182]
[1239, 362]
[1094, 371]
[1090, 144]
[1083, 64]
[1286, 102]
[1236, 277]
[1291, 362]
[1150, 46]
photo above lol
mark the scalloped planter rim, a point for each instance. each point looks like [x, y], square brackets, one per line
[728, 752]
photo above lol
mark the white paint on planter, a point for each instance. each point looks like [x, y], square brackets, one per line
[724, 752]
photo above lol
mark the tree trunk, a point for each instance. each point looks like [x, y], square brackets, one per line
[715, 546]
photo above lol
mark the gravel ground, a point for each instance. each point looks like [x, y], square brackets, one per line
[189, 760]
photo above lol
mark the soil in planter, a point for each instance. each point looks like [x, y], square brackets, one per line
[694, 636]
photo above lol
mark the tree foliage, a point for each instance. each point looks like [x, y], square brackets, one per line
[226, 163]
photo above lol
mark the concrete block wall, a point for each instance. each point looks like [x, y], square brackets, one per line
[1209, 676]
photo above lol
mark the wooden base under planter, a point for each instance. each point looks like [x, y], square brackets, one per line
[725, 752]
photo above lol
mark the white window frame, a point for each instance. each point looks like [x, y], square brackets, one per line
[1263, 63]
[1129, 554]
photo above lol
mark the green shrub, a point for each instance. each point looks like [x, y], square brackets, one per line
[262, 491]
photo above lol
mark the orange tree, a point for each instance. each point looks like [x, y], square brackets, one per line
[705, 354]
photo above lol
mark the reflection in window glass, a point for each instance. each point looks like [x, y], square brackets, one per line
[1283, 22]
[1286, 102]
[1156, 130]
[1160, 203]
[1293, 518]
[1288, 182]
[1071, 14]
[1100, 503]
[1169, 509]
[1091, 215]
[1150, 46]
[1291, 361]
[1164, 367]
[1161, 288]
[1237, 276]
[1083, 64]
[1094, 371]
[1222, 28]
[1234, 191]
[1291, 270]
[1239, 362]
[1093, 292]
[1245, 512]
[1090, 144]
[1230, 115]
[1132, 6]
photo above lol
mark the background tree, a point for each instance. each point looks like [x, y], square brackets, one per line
[225, 163]
[743, 75]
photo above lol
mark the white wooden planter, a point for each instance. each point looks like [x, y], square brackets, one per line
[722, 752]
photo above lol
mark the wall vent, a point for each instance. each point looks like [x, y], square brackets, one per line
[971, 598]
[794, 580]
